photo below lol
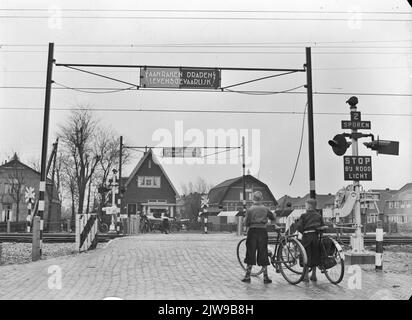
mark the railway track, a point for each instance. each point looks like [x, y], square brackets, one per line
[389, 240]
[105, 237]
[52, 237]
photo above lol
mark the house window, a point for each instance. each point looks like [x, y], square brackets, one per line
[131, 208]
[7, 188]
[148, 182]
[396, 204]
[390, 203]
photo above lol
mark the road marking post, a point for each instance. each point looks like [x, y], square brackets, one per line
[379, 247]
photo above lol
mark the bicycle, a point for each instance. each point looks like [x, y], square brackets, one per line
[332, 261]
[286, 254]
[102, 227]
[146, 226]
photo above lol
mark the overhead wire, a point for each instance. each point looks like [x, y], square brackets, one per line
[201, 10]
[300, 144]
[199, 18]
[98, 92]
[236, 111]
[263, 92]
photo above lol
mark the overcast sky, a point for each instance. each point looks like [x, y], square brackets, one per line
[354, 50]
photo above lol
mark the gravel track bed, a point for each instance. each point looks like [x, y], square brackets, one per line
[18, 253]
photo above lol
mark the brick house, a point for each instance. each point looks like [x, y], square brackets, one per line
[287, 204]
[398, 208]
[371, 211]
[15, 176]
[228, 195]
[148, 189]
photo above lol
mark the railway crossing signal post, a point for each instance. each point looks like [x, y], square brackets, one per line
[357, 239]
[358, 168]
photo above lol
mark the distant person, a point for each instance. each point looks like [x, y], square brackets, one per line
[307, 225]
[256, 219]
[165, 225]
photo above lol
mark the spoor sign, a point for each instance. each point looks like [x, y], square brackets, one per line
[357, 168]
[195, 78]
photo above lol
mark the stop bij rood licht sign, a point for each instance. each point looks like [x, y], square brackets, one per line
[357, 168]
[182, 78]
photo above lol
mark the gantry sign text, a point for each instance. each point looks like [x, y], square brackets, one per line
[182, 78]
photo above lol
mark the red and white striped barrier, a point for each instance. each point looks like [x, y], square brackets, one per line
[86, 232]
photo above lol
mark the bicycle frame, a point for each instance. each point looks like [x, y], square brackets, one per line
[281, 238]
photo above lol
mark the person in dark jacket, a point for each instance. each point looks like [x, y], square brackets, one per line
[307, 225]
[256, 219]
[165, 225]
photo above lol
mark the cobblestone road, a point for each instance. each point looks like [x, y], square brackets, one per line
[176, 266]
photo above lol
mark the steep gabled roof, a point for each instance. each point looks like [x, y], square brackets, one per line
[16, 163]
[404, 193]
[218, 192]
[140, 163]
[384, 195]
[322, 200]
[283, 202]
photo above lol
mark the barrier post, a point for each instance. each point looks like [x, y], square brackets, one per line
[35, 254]
[379, 246]
[239, 225]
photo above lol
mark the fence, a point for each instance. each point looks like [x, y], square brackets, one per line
[388, 227]
[14, 226]
[86, 231]
[132, 225]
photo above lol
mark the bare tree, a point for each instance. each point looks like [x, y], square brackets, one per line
[68, 183]
[78, 139]
[200, 186]
[108, 149]
[16, 182]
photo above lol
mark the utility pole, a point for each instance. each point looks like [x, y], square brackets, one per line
[308, 65]
[53, 158]
[42, 187]
[240, 222]
[120, 194]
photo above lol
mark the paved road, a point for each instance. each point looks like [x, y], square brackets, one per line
[176, 266]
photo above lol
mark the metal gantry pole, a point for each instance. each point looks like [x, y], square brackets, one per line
[42, 187]
[312, 185]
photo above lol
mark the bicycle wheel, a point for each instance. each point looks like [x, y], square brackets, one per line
[335, 273]
[291, 260]
[241, 255]
[104, 228]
